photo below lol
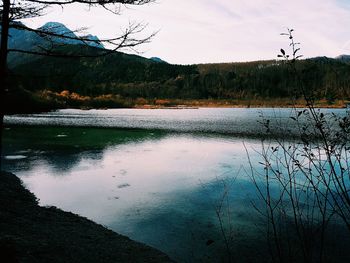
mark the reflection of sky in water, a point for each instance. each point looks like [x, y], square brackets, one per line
[154, 186]
[151, 190]
[135, 173]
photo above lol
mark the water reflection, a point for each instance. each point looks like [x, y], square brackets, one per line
[186, 220]
[149, 185]
[63, 148]
[155, 187]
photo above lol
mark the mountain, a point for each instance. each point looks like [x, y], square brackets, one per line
[159, 60]
[321, 59]
[61, 29]
[95, 42]
[31, 41]
[343, 58]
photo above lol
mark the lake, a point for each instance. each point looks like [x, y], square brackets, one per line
[233, 121]
[156, 176]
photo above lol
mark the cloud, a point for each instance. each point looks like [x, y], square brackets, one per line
[199, 31]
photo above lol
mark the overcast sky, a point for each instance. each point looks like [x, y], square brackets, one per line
[208, 31]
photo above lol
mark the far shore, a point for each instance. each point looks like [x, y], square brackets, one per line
[76, 102]
[228, 106]
[254, 103]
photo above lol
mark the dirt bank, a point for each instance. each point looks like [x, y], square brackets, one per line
[31, 233]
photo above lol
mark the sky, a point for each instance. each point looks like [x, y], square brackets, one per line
[211, 31]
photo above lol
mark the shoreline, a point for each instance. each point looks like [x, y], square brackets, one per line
[253, 103]
[32, 233]
[219, 106]
[47, 105]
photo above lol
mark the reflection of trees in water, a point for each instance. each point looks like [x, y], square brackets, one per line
[63, 153]
[64, 162]
[60, 162]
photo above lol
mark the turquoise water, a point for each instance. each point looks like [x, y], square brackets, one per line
[138, 173]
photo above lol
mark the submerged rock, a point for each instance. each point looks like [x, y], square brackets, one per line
[123, 185]
[15, 157]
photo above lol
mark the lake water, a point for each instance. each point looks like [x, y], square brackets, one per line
[234, 121]
[156, 176]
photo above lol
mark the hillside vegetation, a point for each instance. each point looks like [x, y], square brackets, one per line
[122, 80]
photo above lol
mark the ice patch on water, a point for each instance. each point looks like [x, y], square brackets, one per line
[15, 157]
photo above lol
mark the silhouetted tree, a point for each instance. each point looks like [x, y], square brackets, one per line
[13, 11]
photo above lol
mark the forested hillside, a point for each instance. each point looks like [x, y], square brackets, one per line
[122, 80]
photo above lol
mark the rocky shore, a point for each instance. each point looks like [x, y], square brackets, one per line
[31, 233]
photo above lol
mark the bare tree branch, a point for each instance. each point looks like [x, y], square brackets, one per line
[12, 11]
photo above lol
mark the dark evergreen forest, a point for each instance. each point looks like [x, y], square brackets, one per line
[121, 80]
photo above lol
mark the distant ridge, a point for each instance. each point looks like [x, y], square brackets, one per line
[31, 41]
[95, 41]
[61, 29]
[159, 60]
[343, 58]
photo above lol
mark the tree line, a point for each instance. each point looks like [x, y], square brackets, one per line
[132, 77]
